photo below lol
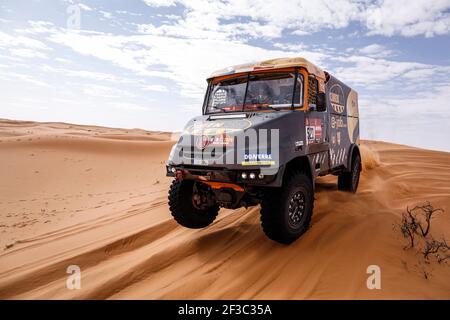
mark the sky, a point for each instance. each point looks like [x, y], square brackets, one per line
[144, 63]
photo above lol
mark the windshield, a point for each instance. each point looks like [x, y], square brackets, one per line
[255, 92]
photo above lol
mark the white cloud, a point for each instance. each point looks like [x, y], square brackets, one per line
[96, 77]
[188, 62]
[7, 40]
[299, 32]
[419, 120]
[268, 19]
[367, 71]
[22, 47]
[430, 102]
[376, 51]
[213, 20]
[193, 28]
[408, 18]
[129, 13]
[24, 78]
[85, 7]
[127, 106]
[419, 75]
[144, 54]
[159, 3]
[106, 14]
[156, 87]
[290, 46]
[62, 60]
[159, 56]
[106, 92]
[27, 53]
[37, 27]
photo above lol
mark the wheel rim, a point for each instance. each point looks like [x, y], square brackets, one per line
[296, 209]
[200, 198]
[197, 201]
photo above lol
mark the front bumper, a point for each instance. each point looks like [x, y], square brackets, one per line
[219, 174]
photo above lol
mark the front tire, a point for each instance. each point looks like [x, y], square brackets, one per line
[349, 181]
[186, 208]
[286, 213]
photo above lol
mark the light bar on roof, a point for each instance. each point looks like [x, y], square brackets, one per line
[227, 116]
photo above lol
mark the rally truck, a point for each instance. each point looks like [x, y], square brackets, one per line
[266, 132]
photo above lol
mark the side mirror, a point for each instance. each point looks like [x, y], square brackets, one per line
[321, 103]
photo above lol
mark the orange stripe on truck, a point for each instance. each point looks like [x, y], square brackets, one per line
[218, 185]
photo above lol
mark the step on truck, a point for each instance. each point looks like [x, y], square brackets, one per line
[266, 132]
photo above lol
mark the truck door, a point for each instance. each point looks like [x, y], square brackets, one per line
[317, 135]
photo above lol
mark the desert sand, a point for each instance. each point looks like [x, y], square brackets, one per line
[97, 198]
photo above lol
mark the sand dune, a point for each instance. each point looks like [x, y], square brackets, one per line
[97, 198]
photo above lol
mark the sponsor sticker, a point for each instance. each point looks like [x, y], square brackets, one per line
[338, 122]
[336, 96]
[258, 156]
[201, 142]
[337, 107]
[313, 130]
[258, 163]
[252, 159]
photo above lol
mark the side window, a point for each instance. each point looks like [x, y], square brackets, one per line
[298, 99]
[313, 88]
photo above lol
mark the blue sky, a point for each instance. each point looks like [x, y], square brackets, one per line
[143, 63]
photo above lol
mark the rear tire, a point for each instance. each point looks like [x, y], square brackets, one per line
[181, 205]
[286, 213]
[349, 181]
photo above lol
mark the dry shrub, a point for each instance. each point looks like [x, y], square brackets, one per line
[416, 228]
